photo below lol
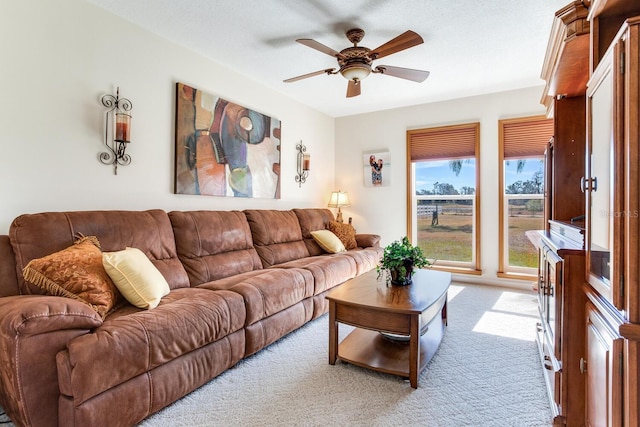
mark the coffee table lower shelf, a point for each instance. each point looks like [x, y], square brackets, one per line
[369, 349]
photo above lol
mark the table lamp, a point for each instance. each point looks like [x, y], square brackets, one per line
[337, 200]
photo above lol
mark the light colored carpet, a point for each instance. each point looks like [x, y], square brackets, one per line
[486, 373]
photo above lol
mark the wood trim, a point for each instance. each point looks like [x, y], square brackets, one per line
[518, 276]
[411, 190]
[630, 132]
[566, 63]
[457, 270]
[478, 201]
[502, 264]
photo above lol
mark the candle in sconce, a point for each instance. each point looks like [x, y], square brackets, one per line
[123, 122]
[306, 161]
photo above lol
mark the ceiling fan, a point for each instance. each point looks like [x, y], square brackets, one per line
[355, 62]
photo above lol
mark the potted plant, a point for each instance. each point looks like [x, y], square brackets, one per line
[399, 260]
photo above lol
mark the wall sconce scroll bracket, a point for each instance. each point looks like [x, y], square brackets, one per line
[116, 116]
[303, 162]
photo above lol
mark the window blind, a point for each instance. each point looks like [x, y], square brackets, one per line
[526, 137]
[446, 142]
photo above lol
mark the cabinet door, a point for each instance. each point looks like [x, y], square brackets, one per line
[604, 183]
[603, 370]
[554, 298]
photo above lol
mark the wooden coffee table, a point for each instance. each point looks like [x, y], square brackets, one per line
[413, 318]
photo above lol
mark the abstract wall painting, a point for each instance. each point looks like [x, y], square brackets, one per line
[377, 169]
[224, 149]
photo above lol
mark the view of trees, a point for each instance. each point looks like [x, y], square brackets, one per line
[535, 185]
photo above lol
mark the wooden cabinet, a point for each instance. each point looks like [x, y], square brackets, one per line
[604, 183]
[564, 162]
[612, 186]
[603, 367]
[561, 303]
[566, 64]
[604, 342]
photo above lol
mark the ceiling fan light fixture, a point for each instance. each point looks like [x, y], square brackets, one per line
[355, 71]
[355, 61]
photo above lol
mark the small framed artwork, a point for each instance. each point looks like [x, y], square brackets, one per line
[377, 169]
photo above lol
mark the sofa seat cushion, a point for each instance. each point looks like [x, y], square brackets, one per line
[365, 258]
[327, 270]
[131, 344]
[214, 244]
[269, 292]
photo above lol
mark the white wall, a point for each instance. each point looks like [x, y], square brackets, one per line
[57, 58]
[384, 208]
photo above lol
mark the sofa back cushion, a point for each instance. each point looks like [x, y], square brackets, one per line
[37, 235]
[214, 244]
[313, 220]
[277, 236]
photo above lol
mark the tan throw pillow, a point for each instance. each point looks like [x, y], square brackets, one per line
[345, 232]
[75, 272]
[136, 277]
[328, 241]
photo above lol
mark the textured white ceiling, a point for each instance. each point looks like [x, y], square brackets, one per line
[471, 47]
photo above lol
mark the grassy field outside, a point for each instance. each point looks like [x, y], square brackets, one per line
[521, 252]
[452, 238]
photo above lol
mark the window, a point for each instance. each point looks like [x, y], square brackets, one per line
[522, 143]
[443, 199]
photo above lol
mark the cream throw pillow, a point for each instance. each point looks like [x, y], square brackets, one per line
[328, 241]
[135, 276]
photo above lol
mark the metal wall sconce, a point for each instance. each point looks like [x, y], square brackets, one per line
[303, 164]
[120, 130]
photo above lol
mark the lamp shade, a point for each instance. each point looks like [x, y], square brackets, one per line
[339, 199]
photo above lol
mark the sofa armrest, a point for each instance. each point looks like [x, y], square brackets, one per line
[37, 314]
[367, 240]
[33, 329]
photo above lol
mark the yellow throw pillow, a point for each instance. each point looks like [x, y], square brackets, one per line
[75, 272]
[328, 241]
[345, 232]
[135, 276]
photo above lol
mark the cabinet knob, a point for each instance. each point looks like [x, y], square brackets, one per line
[583, 365]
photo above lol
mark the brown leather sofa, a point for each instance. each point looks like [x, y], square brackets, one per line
[239, 281]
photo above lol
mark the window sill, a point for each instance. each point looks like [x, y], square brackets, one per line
[458, 270]
[518, 276]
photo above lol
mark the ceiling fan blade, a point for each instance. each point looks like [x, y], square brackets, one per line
[353, 89]
[315, 73]
[403, 41]
[320, 47]
[403, 73]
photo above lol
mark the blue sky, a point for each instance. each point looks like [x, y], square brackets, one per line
[428, 173]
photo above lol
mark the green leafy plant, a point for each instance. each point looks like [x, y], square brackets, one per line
[399, 260]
